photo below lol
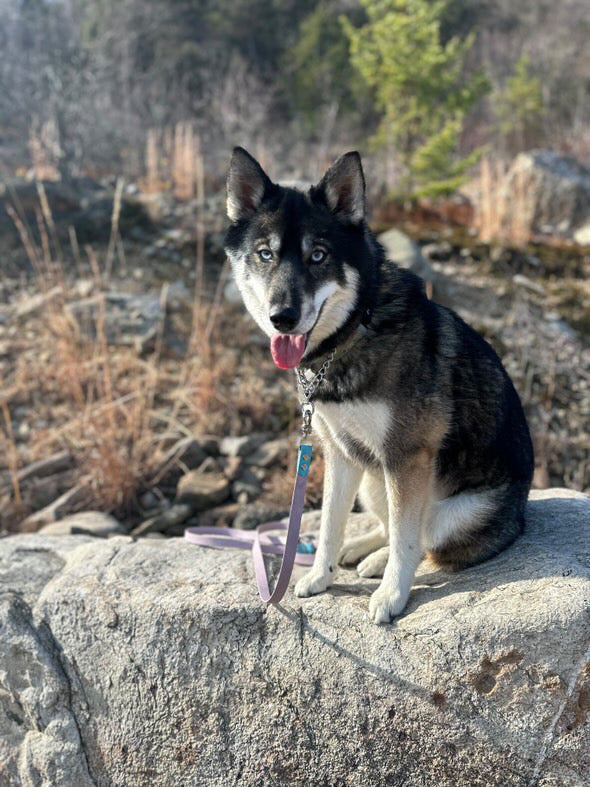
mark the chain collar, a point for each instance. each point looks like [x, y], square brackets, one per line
[309, 387]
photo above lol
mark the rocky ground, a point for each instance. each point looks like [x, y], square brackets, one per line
[126, 395]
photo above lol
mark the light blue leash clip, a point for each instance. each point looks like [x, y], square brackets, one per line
[305, 452]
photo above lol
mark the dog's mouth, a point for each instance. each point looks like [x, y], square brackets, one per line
[287, 349]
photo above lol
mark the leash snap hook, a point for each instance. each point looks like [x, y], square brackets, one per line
[307, 410]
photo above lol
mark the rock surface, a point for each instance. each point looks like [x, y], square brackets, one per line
[91, 523]
[153, 662]
[400, 248]
[550, 193]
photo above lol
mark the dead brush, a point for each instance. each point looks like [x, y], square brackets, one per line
[500, 218]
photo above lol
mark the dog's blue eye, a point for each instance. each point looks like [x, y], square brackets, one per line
[265, 254]
[318, 255]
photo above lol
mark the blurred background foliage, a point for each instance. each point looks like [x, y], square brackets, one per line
[429, 84]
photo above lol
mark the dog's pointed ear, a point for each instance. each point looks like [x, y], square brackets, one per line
[247, 184]
[342, 189]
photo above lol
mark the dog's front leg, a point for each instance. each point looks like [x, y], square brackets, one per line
[410, 501]
[341, 482]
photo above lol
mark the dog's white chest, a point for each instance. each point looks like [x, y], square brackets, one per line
[366, 422]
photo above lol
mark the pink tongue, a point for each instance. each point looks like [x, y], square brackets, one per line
[287, 351]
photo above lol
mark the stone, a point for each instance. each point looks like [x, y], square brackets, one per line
[188, 452]
[92, 523]
[232, 466]
[149, 500]
[528, 284]
[439, 252]
[129, 663]
[240, 446]
[400, 248]
[246, 491]
[56, 463]
[582, 235]
[220, 516]
[130, 319]
[73, 498]
[165, 520]
[269, 453]
[202, 490]
[547, 193]
[253, 514]
[31, 304]
[46, 490]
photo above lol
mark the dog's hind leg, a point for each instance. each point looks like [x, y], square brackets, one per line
[373, 498]
[374, 565]
[341, 482]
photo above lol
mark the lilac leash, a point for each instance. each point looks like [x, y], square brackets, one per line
[262, 544]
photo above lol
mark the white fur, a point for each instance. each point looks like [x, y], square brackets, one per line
[342, 479]
[253, 289]
[338, 303]
[454, 516]
[365, 421]
[406, 524]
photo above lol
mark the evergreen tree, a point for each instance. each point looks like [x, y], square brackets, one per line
[420, 87]
[520, 107]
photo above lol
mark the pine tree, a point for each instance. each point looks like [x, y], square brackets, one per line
[520, 107]
[420, 87]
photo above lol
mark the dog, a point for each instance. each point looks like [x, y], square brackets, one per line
[414, 409]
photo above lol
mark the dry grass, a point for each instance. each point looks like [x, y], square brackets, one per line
[501, 217]
[116, 411]
[174, 161]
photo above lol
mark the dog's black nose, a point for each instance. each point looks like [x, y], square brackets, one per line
[285, 320]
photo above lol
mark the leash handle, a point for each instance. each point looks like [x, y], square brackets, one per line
[260, 543]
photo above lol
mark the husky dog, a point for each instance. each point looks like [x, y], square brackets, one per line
[415, 411]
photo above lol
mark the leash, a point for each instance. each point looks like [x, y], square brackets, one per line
[259, 540]
[261, 543]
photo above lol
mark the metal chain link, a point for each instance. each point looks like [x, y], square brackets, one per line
[309, 387]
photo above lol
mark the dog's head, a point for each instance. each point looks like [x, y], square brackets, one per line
[303, 261]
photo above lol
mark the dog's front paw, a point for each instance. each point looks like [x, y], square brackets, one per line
[386, 602]
[313, 582]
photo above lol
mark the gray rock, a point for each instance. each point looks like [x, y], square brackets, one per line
[246, 491]
[251, 515]
[56, 510]
[130, 319]
[240, 446]
[582, 235]
[438, 251]
[56, 463]
[528, 284]
[165, 520]
[220, 516]
[31, 304]
[155, 663]
[45, 491]
[269, 453]
[400, 248]
[547, 193]
[202, 490]
[91, 523]
[187, 452]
